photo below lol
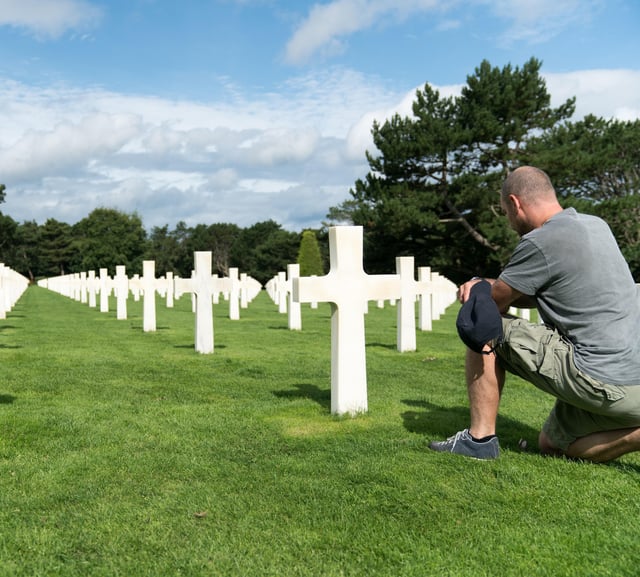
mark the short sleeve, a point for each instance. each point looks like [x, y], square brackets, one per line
[527, 270]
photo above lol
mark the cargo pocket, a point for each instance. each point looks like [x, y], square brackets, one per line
[531, 353]
[606, 391]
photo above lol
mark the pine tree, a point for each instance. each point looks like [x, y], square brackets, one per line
[309, 257]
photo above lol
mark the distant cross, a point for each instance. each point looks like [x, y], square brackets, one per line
[148, 287]
[348, 288]
[121, 290]
[281, 292]
[244, 291]
[234, 294]
[406, 339]
[295, 315]
[167, 289]
[92, 287]
[105, 290]
[425, 299]
[83, 287]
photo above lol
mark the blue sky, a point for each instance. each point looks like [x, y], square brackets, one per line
[240, 111]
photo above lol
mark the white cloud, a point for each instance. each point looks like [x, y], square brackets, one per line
[326, 25]
[49, 18]
[285, 156]
[605, 93]
[536, 21]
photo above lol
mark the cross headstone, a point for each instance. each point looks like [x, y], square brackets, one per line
[295, 314]
[168, 287]
[105, 290]
[148, 289]
[425, 299]
[348, 288]
[406, 314]
[201, 285]
[121, 290]
[234, 294]
[281, 292]
[92, 288]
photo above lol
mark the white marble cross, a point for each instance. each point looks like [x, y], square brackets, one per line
[201, 286]
[425, 299]
[121, 290]
[234, 293]
[281, 292]
[406, 314]
[148, 288]
[92, 288]
[348, 288]
[295, 315]
[105, 290]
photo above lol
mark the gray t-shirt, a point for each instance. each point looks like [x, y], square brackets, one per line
[573, 267]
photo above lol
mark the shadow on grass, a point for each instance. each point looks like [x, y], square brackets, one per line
[307, 391]
[383, 346]
[6, 399]
[439, 422]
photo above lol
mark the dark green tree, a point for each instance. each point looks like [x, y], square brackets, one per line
[8, 240]
[264, 249]
[432, 190]
[593, 158]
[164, 249]
[309, 257]
[223, 237]
[28, 258]
[56, 248]
[107, 238]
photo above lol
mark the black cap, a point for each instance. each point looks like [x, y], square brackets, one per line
[479, 320]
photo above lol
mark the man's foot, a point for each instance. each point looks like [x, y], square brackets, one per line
[463, 444]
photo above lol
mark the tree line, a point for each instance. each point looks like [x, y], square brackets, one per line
[108, 237]
[432, 192]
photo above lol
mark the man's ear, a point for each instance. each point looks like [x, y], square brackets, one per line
[515, 201]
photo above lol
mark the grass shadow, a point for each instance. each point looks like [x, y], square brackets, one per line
[6, 399]
[307, 391]
[383, 346]
[440, 422]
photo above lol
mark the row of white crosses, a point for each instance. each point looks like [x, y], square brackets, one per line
[433, 292]
[12, 285]
[348, 288]
[204, 287]
[280, 289]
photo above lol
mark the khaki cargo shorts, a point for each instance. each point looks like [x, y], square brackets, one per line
[584, 405]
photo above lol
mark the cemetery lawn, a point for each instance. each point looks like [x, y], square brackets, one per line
[127, 453]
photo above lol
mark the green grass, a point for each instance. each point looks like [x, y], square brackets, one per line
[124, 453]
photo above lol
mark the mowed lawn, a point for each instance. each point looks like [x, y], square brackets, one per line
[124, 453]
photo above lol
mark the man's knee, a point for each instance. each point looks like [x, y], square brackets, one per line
[547, 447]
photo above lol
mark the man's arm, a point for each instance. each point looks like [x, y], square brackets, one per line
[504, 295]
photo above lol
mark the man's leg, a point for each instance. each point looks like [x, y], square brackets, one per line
[597, 447]
[485, 379]
[484, 385]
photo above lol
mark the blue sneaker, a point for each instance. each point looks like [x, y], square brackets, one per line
[462, 444]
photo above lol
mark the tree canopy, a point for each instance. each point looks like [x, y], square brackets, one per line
[432, 190]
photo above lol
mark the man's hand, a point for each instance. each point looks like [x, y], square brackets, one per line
[465, 289]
